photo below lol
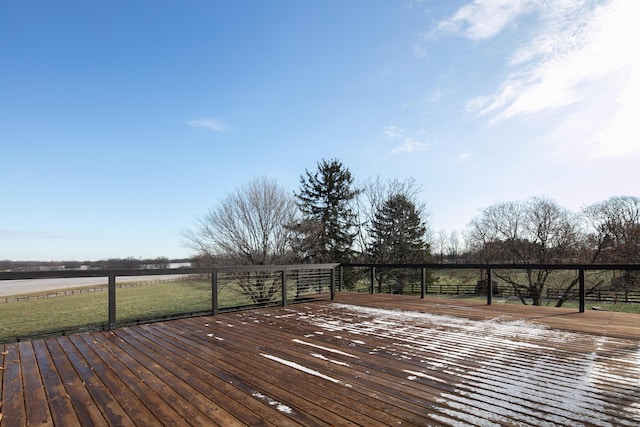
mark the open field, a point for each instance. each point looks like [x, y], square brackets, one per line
[374, 360]
[42, 286]
[29, 315]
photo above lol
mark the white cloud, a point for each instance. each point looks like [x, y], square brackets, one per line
[483, 19]
[212, 124]
[23, 235]
[582, 56]
[393, 132]
[463, 157]
[410, 146]
[408, 143]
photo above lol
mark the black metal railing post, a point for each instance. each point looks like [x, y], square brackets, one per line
[489, 287]
[581, 289]
[373, 279]
[332, 287]
[112, 300]
[284, 287]
[214, 292]
[423, 283]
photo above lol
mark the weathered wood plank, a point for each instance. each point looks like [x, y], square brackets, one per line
[211, 382]
[13, 407]
[137, 412]
[102, 398]
[233, 367]
[59, 400]
[83, 405]
[101, 343]
[199, 394]
[2, 353]
[346, 392]
[173, 392]
[37, 407]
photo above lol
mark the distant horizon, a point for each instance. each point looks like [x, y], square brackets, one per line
[121, 122]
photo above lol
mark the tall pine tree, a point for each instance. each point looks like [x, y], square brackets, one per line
[398, 237]
[327, 229]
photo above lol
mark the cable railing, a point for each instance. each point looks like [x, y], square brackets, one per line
[115, 298]
[529, 283]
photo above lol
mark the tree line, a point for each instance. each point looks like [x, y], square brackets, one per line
[329, 219]
[104, 264]
[332, 219]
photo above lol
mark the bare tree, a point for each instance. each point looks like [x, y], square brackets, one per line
[613, 236]
[453, 249]
[537, 231]
[613, 228]
[439, 248]
[248, 227]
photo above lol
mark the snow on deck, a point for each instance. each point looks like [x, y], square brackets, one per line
[501, 371]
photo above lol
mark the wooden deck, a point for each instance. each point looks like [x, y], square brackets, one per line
[370, 360]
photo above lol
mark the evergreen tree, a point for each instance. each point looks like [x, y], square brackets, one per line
[398, 236]
[326, 231]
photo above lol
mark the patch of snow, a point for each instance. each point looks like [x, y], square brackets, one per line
[337, 362]
[281, 407]
[423, 375]
[520, 365]
[299, 367]
[331, 350]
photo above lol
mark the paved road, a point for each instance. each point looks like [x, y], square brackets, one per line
[14, 287]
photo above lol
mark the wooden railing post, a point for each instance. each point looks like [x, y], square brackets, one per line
[112, 300]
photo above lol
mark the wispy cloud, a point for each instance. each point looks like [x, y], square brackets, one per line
[212, 124]
[483, 19]
[410, 146]
[27, 235]
[408, 143]
[463, 157]
[580, 56]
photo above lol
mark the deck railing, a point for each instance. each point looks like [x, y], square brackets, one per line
[210, 290]
[193, 291]
[573, 286]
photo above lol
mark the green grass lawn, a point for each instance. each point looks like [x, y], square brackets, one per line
[87, 310]
[25, 318]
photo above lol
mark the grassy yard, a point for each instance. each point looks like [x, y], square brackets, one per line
[89, 310]
[463, 284]
[24, 318]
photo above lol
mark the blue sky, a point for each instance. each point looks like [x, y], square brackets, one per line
[121, 121]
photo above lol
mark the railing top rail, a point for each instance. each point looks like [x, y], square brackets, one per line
[502, 266]
[51, 274]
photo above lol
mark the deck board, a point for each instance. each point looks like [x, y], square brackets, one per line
[368, 360]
